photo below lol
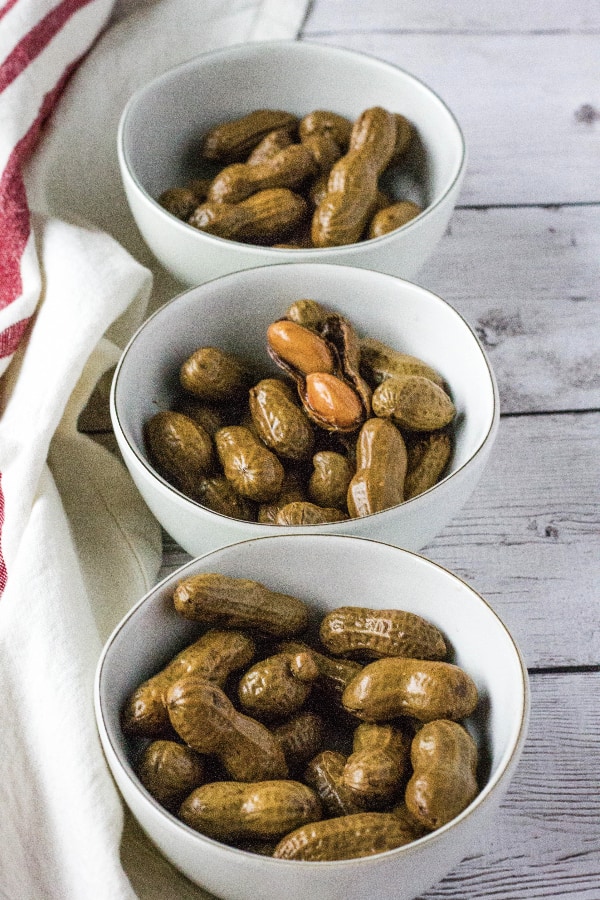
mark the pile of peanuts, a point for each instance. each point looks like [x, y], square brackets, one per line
[268, 737]
[298, 183]
[352, 426]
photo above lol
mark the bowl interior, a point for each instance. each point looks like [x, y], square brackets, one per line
[329, 571]
[233, 312]
[163, 121]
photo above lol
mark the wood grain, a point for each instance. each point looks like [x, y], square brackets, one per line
[526, 280]
[468, 16]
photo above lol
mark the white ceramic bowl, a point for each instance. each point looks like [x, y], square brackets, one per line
[233, 312]
[161, 125]
[327, 571]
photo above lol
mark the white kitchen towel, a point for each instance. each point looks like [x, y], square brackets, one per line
[77, 545]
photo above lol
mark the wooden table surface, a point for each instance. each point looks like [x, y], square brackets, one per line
[521, 261]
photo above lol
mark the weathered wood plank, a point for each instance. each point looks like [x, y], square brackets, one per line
[527, 281]
[470, 16]
[546, 841]
[528, 104]
[529, 538]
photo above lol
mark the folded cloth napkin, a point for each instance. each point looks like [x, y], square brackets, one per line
[77, 545]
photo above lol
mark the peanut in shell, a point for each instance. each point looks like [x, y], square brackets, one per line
[170, 771]
[266, 217]
[253, 470]
[224, 601]
[179, 449]
[364, 632]
[213, 374]
[345, 837]
[377, 768]
[214, 656]
[286, 169]
[379, 361]
[329, 480]
[428, 457]
[413, 402]
[279, 420]
[205, 718]
[236, 138]
[444, 779]
[324, 774]
[423, 689]
[277, 686]
[393, 216]
[381, 461]
[301, 738]
[303, 512]
[268, 809]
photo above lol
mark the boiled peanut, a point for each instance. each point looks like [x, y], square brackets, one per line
[291, 490]
[306, 312]
[344, 211]
[302, 512]
[234, 139]
[213, 598]
[215, 375]
[286, 169]
[427, 459]
[378, 361]
[328, 483]
[178, 448]
[170, 771]
[381, 461]
[342, 215]
[299, 347]
[377, 768]
[210, 417]
[334, 674]
[423, 689]
[324, 149]
[227, 810]
[214, 656]
[360, 631]
[266, 217]
[393, 216]
[217, 493]
[253, 470]
[205, 718]
[301, 737]
[374, 133]
[180, 202]
[270, 145]
[345, 837]
[405, 131]
[413, 402]
[324, 774]
[279, 685]
[279, 421]
[322, 121]
[443, 783]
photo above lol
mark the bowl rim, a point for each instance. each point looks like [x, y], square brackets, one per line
[264, 46]
[505, 768]
[382, 514]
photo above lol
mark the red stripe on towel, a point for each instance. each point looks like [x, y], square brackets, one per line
[37, 39]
